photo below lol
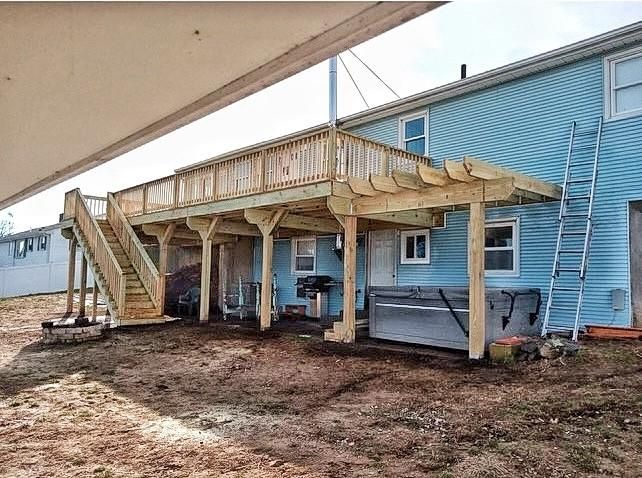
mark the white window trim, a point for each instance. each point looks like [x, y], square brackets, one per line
[402, 240]
[609, 73]
[401, 140]
[514, 222]
[293, 243]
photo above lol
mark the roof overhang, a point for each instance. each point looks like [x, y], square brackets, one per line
[82, 83]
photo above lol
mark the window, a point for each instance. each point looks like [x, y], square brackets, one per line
[304, 251]
[501, 247]
[42, 243]
[412, 134]
[415, 247]
[623, 84]
[20, 249]
[29, 244]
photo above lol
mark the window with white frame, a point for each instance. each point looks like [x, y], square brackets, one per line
[304, 251]
[502, 251]
[415, 247]
[20, 249]
[623, 84]
[412, 133]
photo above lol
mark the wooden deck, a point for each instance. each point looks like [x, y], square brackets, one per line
[324, 181]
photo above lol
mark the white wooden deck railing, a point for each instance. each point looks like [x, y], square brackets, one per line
[77, 208]
[147, 271]
[301, 160]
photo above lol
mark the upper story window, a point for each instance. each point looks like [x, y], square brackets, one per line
[623, 84]
[20, 248]
[415, 247]
[412, 133]
[304, 251]
[42, 243]
[502, 251]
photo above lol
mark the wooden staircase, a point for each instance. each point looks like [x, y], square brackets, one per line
[139, 307]
[126, 276]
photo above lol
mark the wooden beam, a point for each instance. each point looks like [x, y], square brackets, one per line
[238, 228]
[82, 294]
[384, 184]
[343, 190]
[272, 198]
[206, 228]
[477, 290]
[452, 195]
[483, 170]
[94, 301]
[457, 171]
[339, 208]
[265, 220]
[313, 224]
[71, 274]
[163, 251]
[361, 187]
[417, 217]
[432, 176]
[349, 279]
[407, 180]
[265, 315]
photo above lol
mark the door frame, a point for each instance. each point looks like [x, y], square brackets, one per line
[632, 322]
[395, 261]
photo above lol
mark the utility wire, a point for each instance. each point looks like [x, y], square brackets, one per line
[354, 82]
[372, 71]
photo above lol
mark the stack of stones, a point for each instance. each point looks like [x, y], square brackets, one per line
[71, 331]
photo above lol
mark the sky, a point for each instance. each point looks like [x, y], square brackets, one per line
[421, 54]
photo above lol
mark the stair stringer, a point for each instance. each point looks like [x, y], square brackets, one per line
[98, 276]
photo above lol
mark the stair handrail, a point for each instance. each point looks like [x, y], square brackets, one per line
[142, 263]
[99, 247]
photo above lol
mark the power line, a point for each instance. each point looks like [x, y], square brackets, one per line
[353, 82]
[372, 71]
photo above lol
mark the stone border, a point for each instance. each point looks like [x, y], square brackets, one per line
[71, 331]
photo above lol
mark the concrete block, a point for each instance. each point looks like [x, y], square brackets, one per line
[503, 353]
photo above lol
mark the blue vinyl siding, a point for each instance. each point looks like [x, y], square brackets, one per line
[327, 263]
[525, 125]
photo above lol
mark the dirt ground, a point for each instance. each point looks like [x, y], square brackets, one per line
[180, 400]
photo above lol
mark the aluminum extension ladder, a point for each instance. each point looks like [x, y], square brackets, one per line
[566, 292]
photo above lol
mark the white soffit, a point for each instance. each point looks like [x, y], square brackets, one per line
[81, 83]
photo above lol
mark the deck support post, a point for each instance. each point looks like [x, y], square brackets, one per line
[206, 228]
[82, 296]
[477, 290]
[94, 301]
[163, 251]
[71, 274]
[267, 222]
[349, 279]
[222, 274]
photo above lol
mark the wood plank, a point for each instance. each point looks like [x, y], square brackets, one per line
[457, 171]
[477, 290]
[272, 198]
[407, 180]
[265, 220]
[341, 189]
[71, 274]
[452, 195]
[484, 170]
[349, 279]
[361, 187]
[313, 224]
[206, 271]
[384, 184]
[432, 176]
[418, 217]
[266, 282]
[82, 295]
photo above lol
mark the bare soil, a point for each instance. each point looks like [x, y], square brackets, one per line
[179, 400]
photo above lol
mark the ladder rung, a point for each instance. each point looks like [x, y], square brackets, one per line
[584, 148]
[565, 269]
[575, 214]
[573, 233]
[574, 198]
[566, 289]
[572, 251]
[561, 307]
[581, 180]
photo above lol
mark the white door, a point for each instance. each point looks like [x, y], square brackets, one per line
[383, 258]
